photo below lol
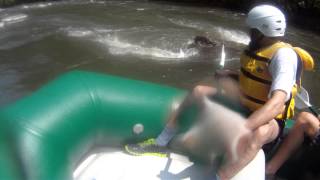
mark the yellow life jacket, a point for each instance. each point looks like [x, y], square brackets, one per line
[255, 79]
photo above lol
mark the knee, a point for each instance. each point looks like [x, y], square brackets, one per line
[197, 91]
[260, 135]
[200, 90]
[263, 135]
[304, 120]
[308, 122]
[257, 140]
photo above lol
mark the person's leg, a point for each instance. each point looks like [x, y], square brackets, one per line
[312, 124]
[172, 123]
[170, 129]
[157, 146]
[201, 90]
[229, 87]
[247, 148]
[227, 82]
[306, 124]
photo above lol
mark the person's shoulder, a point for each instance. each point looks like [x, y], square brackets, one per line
[284, 56]
[286, 51]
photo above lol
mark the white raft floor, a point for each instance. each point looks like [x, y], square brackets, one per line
[113, 164]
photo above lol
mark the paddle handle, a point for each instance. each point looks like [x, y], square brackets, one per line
[313, 111]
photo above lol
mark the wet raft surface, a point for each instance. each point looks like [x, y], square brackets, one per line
[48, 132]
[114, 164]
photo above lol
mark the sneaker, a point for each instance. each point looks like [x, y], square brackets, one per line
[147, 147]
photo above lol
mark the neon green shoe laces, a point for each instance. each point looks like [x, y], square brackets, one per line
[147, 147]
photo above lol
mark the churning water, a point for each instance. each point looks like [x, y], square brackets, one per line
[141, 40]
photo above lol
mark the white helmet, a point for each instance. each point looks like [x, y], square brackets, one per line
[269, 20]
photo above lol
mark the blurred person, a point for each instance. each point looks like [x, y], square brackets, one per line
[202, 42]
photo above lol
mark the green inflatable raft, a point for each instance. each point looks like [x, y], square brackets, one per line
[44, 136]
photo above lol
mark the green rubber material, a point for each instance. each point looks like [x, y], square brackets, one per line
[48, 132]
[45, 135]
[10, 166]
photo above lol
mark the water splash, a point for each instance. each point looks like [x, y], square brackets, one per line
[233, 35]
[79, 33]
[118, 46]
[187, 23]
[122, 47]
[225, 34]
[14, 19]
[38, 5]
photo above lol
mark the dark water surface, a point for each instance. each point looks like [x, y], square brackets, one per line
[140, 40]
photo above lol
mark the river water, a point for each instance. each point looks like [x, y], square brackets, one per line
[140, 40]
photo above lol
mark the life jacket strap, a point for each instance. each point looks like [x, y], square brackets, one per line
[253, 77]
[255, 56]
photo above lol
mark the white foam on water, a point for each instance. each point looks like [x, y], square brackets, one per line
[108, 38]
[233, 35]
[100, 2]
[14, 19]
[121, 47]
[186, 23]
[234, 59]
[79, 33]
[38, 5]
[97, 2]
[106, 31]
[83, 32]
[225, 34]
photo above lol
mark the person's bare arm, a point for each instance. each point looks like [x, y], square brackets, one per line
[274, 106]
[249, 147]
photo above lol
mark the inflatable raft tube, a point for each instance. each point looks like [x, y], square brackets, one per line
[50, 132]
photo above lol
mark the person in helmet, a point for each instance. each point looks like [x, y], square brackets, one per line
[267, 79]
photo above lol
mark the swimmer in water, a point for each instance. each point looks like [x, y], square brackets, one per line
[202, 42]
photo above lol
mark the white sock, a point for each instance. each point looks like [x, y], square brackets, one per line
[166, 135]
